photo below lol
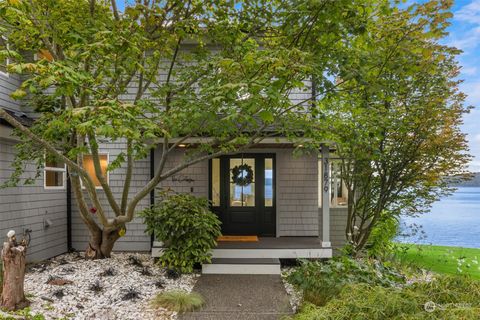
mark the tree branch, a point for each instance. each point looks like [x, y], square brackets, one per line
[98, 172]
[128, 178]
[115, 10]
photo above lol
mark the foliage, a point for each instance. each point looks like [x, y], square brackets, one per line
[380, 244]
[396, 123]
[179, 301]
[159, 72]
[441, 259]
[185, 224]
[453, 297]
[321, 281]
[384, 93]
[23, 314]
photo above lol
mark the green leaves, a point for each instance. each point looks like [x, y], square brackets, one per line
[266, 116]
[187, 227]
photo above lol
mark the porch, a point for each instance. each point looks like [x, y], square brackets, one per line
[266, 248]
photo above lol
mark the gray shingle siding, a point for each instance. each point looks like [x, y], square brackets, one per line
[297, 194]
[28, 206]
[193, 179]
[8, 84]
[338, 222]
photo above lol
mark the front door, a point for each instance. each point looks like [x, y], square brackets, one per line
[242, 191]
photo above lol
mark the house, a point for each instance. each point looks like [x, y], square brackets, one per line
[296, 205]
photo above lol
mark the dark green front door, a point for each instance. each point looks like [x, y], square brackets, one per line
[242, 190]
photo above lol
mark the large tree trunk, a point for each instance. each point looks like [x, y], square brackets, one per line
[101, 244]
[13, 258]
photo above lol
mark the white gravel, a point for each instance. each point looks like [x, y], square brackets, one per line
[294, 295]
[79, 301]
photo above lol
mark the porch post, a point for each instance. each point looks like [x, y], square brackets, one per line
[325, 197]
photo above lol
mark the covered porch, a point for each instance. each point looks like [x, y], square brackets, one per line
[286, 202]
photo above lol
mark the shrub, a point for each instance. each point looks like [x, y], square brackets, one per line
[367, 302]
[186, 226]
[321, 281]
[380, 243]
[179, 301]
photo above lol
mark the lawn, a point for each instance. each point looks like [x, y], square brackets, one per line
[443, 259]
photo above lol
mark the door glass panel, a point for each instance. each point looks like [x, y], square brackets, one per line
[242, 182]
[216, 182]
[268, 182]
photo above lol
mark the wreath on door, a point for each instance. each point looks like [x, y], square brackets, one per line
[242, 175]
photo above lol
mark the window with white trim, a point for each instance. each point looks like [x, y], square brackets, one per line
[54, 173]
[90, 168]
[3, 61]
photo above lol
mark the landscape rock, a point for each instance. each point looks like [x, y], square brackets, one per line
[128, 282]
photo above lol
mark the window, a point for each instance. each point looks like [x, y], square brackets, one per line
[268, 182]
[336, 187]
[216, 182]
[54, 173]
[242, 194]
[4, 61]
[89, 167]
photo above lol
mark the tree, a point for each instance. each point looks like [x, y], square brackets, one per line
[161, 72]
[13, 260]
[397, 124]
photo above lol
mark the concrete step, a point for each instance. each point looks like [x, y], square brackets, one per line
[242, 266]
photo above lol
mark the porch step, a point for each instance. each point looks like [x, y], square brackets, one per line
[242, 266]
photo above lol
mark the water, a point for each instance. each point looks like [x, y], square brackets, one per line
[452, 221]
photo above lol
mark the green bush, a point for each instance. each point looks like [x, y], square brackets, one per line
[179, 301]
[321, 281]
[380, 243]
[186, 226]
[455, 298]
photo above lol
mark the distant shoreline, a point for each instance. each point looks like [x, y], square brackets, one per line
[474, 182]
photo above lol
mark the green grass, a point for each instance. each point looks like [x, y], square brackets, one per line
[179, 301]
[442, 259]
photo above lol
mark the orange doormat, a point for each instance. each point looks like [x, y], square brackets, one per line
[238, 238]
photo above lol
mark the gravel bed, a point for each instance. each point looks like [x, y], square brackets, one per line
[294, 295]
[117, 288]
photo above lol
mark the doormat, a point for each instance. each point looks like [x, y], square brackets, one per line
[238, 238]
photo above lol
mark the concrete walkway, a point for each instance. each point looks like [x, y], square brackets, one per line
[241, 297]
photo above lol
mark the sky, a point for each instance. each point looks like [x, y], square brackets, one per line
[465, 35]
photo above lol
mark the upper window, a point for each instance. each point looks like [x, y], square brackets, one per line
[3, 61]
[90, 168]
[54, 173]
[336, 186]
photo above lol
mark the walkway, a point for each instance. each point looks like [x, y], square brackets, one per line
[241, 297]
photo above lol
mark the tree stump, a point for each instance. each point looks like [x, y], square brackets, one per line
[13, 258]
